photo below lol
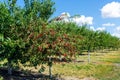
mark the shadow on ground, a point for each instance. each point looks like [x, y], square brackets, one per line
[20, 75]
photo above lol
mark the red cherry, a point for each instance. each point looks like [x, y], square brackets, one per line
[39, 48]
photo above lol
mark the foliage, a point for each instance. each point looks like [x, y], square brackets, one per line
[50, 43]
[1, 78]
[87, 39]
[38, 9]
[16, 24]
[27, 36]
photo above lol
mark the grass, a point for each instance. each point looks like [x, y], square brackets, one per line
[1, 78]
[101, 67]
[113, 57]
[98, 71]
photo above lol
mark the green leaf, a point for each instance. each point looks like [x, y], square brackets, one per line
[1, 37]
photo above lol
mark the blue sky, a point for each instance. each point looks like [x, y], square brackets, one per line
[105, 13]
[91, 8]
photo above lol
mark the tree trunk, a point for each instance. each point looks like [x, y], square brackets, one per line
[50, 68]
[9, 68]
[88, 56]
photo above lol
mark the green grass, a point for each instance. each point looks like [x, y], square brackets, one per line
[1, 78]
[101, 67]
[113, 60]
[98, 71]
[110, 57]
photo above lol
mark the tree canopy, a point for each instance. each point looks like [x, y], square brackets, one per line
[27, 36]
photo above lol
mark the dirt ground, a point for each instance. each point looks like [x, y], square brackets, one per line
[20, 75]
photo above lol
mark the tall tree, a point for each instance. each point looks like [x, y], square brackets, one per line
[39, 9]
[16, 24]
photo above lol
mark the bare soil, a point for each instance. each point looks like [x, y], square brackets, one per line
[21, 75]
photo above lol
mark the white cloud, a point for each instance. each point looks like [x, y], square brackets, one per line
[92, 28]
[97, 29]
[111, 10]
[108, 24]
[82, 20]
[100, 29]
[64, 15]
[117, 32]
[66, 19]
[118, 29]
